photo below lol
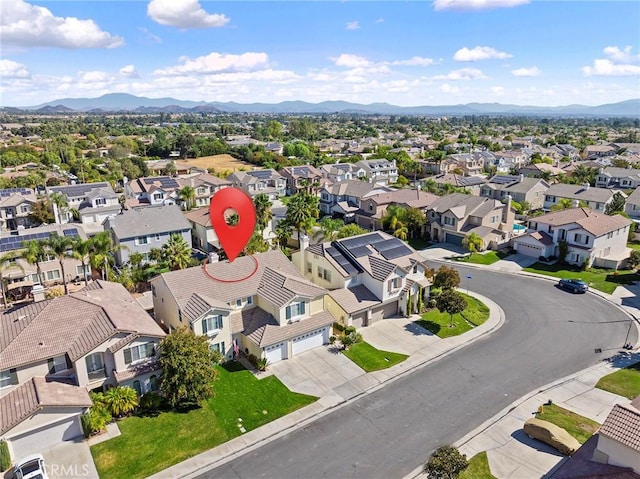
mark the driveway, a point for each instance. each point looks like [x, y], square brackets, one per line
[398, 335]
[513, 263]
[442, 251]
[316, 372]
[70, 460]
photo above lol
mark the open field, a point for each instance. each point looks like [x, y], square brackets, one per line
[219, 162]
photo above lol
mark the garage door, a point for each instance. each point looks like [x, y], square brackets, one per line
[388, 310]
[276, 353]
[309, 341]
[357, 320]
[453, 239]
[40, 439]
[529, 250]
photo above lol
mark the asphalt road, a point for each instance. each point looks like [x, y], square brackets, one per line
[548, 334]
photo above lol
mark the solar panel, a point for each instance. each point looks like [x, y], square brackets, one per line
[470, 181]
[12, 191]
[360, 251]
[372, 238]
[341, 260]
[70, 232]
[388, 244]
[260, 174]
[503, 179]
[397, 252]
[78, 190]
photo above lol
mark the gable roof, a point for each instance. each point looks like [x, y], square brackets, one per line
[355, 188]
[580, 192]
[595, 223]
[623, 425]
[81, 189]
[147, 221]
[462, 205]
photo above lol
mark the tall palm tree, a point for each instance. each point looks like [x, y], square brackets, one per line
[34, 253]
[58, 202]
[81, 249]
[329, 228]
[176, 253]
[7, 262]
[102, 248]
[60, 247]
[188, 195]
[300, 213]
[262, 205]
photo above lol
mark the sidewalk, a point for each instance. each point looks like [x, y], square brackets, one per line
[335, 398]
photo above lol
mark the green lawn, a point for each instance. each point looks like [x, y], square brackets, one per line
[150, 444]
[633, 245]
[475, 314]
[487, 258]
[604, 280]
[625, 382]
[478, 468]
[578, 426]
[372, 359]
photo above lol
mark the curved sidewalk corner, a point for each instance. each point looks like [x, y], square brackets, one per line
[336, 398]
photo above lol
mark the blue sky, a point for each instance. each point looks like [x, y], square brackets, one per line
[406, 53]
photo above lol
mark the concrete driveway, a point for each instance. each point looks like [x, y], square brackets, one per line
[398, 335]
[513, 263]
[316, 372]
[70, 460]
[442, 251]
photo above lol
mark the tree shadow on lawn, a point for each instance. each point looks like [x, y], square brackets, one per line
[418, 329]
[631, 278]
[429, 326]
[233, 367]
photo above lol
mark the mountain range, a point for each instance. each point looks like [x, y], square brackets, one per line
[123, 102]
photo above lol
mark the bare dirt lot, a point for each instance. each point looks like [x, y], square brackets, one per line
[219, 162]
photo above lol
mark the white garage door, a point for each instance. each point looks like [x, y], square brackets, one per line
[276, 353]
[309, 341]
[40, 439]
[529, 250]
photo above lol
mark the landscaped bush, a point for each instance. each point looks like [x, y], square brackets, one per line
[218, 357]
[151, 402]
[262, 364]
[5, 458]
[253, 359]
[349, 330]
[98, 416]
[338, 327]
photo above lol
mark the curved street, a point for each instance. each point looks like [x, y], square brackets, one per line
[548, 334]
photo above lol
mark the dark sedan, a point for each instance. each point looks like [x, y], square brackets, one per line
[573, 285]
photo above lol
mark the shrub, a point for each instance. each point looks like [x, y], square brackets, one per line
[262, 364]
[151, 402]
[5, 458]
[253, 359]
[121, 400]
[218, 357]
[96, 419]
[349, 330]
[332, 339]
[446, 463]
[338, 327]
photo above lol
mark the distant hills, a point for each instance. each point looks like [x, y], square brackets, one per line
[123, 102]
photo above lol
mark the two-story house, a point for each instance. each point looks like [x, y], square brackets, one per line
[152, 191]
[268, 182]
[380, 171]
[469, 163]
[256, 304]
[343, 199]
[15, 207]
[451, 218]
[594, 198]
[540, 170]
[204, 186]
[522, 189]
[592, 152]
[632, 205]
[623, 178]
[337, 172]
[591, 237]
[370, 277]
[373, 208]
[52, 352]
[141, 229]
[94, 202]
[302, 178]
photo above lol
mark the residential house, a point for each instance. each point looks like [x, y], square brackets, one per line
[632, 205]
[521, 189]
[373, 208]
[380, 171]
[274, 147]
[343, 198]
[595, 198]
[455, 216]
[468, 163]
[337, 172]
[268, 182]
[52, 352]
[623, 178]
[94, 202]
[256, 304]
[541, 170]
[302, 178]
[510, 160]
[568, 151]
[152, 191]
[444, 181]
[141, 229]
[204, 185]
[371, 277]
[591, 237]
[15, 207]
[592, 152]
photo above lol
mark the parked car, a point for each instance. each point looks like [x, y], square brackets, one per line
[574, 285]
[30, 467]
[552, 435]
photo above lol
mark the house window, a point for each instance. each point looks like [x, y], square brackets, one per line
[324, 274]
[239, 303]
[310, 267]
[53, 275]
[157, 196]
[141, 240]
[202, 191]
[598, 206]
[95, 366]
[25, 209]
[57, 364]
[394, 284]
[448, 221]
[219, 347]
[79, 269]
[35, 278]
[249, 299]
[495, 219]
[295, 309]
[136, 353]
[8, 378]
[137, 387]
[212, 324]
[610, 235]
[101, 201]
[370, 207]
[153, 383]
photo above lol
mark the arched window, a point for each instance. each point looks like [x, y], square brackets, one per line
[153, 383]
[137, 387]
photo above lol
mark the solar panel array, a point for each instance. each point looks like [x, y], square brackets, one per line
[503, 179]
[165, 182]
[392, 248]
[341, 260]
[78, 190]
[300, 170]
[361, 241]
[360, 251]
[14, 242]
[470, 181]
[70, 232]
[260, 174]
[12, 191]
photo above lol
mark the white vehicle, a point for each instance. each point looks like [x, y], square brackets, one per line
[30, 467]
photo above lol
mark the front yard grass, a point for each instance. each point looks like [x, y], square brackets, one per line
[474, 315]
[372, 359]
[625, 382]
[604, 280]
[487, 258]
[580, 427]
[149, 444]
[633, 245]
[478, 468]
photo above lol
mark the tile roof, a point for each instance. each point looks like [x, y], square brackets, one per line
[73, 324]
[23, 401]
[542, 237]
[623, 425]
[595, 223]
[149, 220]
[355, 188]
[354, 299]
[136, 370]
[199, 216]
[263, 330]
[199, 305]
[580, 192]
[463, 205]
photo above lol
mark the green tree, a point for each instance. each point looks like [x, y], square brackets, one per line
[61, 248]
[446, 463]
[350, 230]
[34, 252]
[262, 205]
[41, 213]
[563, 204]
[97, 417]
[274, 129]
[473, 242]
[446, 278]
[188, 370]
[616, 205]
[451, 302]
[188, 195]
[80, 251]
[634, 259]
[329, 228]
[415, 220]
[101, 253]
[302, 209]
[176, 253]
[7, 262]
[121, 400]
[256, 244]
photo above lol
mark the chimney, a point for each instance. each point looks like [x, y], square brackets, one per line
[213, 257]
[520, 178]
[576, 203]
[585, 186]
[507, 210]
[38, 293]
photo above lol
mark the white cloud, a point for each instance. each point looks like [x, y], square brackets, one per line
[95, 76]
[446, 88]
[129, 71]
[497, 90]
[414, 62]
[11, 69]
[479, 53]
[353, 25]
[621, 56]
[462, 74]
[476, 4]
[604, 67]
[526, 72]
[27, 25]
[184, 14]
[217, 63]
[351, 61]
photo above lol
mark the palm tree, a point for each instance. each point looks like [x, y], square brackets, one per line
[58, 201]
[34, 253]
[81, 249]
[60, 246]
[401, 232]
[7, 262]
[329, 228]
[301, 211]
[188, 195]
[121, 400]
[473, 242]
[100, 253]
[264, 214]
[176, 253]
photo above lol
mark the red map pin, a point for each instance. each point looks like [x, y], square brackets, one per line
[232, 238]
